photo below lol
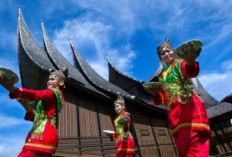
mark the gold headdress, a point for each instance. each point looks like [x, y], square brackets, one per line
[120, 101]
[164, 46]
[60, 75]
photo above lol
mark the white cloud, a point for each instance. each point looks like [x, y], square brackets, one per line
[7, 122]
[10, 62]
[227, 65]
[86, 33]
[162, 17]
[12, 141]
[94, 40]
[123, 61]
[121, 13]
[131, 15]
[6, 102]
[101, 69]
[217, 84]
[10, 147]
[8, 40]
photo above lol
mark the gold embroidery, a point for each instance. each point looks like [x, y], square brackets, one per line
[197, 125]
[128, 149]
[40, 145]
[175, 85]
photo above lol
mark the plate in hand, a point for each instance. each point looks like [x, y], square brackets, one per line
[7, 74]
[178, 53]
[108, 132]
[152, 85]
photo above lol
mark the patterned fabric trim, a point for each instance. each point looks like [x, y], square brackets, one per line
[59, 99]
[126, 149]
[175, 85]
[119, 128]
[41, 117]
[40, 145]
[194, 125]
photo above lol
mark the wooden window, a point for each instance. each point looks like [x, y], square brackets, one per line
[161, 132]
[144, 132]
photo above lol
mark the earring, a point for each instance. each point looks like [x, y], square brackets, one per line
[61, 82]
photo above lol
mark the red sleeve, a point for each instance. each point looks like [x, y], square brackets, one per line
[33, 95]
[30, 115]
[114, 136]
[159, 98]
[189, 71]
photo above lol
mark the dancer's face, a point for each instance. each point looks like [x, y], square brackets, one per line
[118, 108]
[52, 82]
[167, 56]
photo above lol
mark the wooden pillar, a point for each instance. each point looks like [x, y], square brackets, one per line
[78, 125]
[99, 125]
[153, 132]
[133, 127]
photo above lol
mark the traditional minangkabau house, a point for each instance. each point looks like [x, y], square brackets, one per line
[89, 104]
[220, 116]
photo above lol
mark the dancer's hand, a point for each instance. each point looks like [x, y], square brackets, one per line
[9, 85]
[1, 78]
[190, 53]
[123, 120]
[25, 104]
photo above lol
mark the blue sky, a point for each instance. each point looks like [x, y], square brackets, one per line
[129, 31]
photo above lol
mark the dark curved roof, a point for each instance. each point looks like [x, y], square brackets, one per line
[42, 62]
[224, 107]
[94, 78]
[30, 53]
[228, 98]
[154, 78]
[220, 109]
[129, 84]
[118, 78]
[59, 61]
[206, 97]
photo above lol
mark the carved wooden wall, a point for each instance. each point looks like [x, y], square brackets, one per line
[83, 117]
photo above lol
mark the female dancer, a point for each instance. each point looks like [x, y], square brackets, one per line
[186, 111]
[124, 141]
[42, 140]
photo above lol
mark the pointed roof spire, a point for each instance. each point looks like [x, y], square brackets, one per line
[19, 8]
[95, 79]
[207, 98]
[120, 79]
[157, 73]
[19, 11]
[31, 53]
[60, 61]
[74, 55]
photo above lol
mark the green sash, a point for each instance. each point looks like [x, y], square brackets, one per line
[175, 85]
[119, 127]
[41, 117]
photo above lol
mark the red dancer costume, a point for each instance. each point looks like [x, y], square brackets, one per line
[124, 141]
[42, 140]
[43, 136]
[187, 115]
